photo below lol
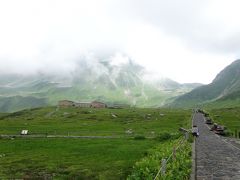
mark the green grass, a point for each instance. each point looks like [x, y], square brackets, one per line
[225, 103]
[70, 158]
[229, 117]
[75, 121]
[82, 158]
[177, 167]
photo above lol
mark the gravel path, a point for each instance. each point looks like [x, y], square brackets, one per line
[216, 158]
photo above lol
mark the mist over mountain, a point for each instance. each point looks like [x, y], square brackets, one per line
[105, 80]
[224, 90]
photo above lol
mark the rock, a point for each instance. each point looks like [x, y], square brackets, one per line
[113, 115]
[65, 113]
[129, 131]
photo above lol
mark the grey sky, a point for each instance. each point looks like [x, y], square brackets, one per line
[188, 41]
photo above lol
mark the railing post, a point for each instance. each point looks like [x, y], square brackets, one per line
[186, 135]
[163, 170]
[174, 153]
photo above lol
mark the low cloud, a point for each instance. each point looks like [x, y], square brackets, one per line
[188, 41]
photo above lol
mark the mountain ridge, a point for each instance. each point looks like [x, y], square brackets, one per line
[225, 85]
[124, 83]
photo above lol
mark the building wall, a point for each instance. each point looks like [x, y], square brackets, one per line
[65, 103]
[98, 105]
[94, 104]
[84, 105]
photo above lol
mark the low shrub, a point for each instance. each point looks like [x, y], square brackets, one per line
[167, 136]
[139, 137]
[178, 168]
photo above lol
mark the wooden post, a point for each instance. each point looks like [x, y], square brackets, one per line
[174, 153]
[186, 135]
[163, 170]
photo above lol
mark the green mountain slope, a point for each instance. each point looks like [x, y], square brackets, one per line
[103, 81]
[224, 89]
[14, 103]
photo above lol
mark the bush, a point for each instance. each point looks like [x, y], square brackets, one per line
[227, 133]
[190, 138]
[164, 136]
[178, 169]
[167, 136]
[139, 137]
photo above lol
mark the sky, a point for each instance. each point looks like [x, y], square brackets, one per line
[187, 41]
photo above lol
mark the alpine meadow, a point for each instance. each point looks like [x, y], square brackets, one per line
[113, 90]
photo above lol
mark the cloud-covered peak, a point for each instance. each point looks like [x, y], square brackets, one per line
[166, 37]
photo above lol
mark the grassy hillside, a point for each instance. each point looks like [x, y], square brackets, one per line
[70, 158]
[229, 117]
[77, 121]
[223, 90]
[14, 103]
[64, 158]
[122, 84]
[226, 103]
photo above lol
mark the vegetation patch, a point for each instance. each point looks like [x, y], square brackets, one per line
[177, 167]
[229, 117]
[138, 130]
[70, 158]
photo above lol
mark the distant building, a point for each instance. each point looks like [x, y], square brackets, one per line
[82, 104]
[65, 103]
[118, 106]
[96, 104]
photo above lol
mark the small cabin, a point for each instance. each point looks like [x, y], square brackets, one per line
[82, 104]
[94, 104]
[97, 104]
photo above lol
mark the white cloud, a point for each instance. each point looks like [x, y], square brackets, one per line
[119, 59]
[188, 41]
